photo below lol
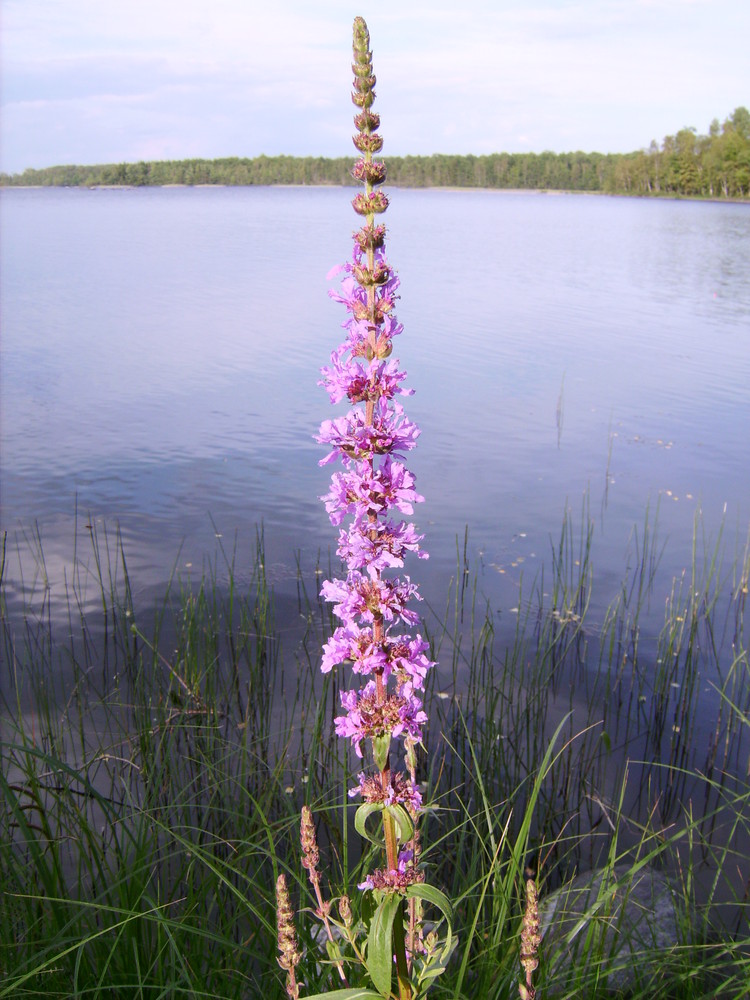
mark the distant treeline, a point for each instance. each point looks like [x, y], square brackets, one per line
[716, 165]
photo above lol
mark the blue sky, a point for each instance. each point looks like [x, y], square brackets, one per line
[85, 81]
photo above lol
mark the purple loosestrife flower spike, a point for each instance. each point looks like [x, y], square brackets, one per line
[383, 719]
[365, 502]
[370, 441]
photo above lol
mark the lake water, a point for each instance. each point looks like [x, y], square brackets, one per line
[160, 356]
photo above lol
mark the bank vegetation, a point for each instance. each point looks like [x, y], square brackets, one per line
[716, 165]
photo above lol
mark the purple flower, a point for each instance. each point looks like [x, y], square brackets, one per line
[367, 717]
[407, 656]
[352, 437]
[349, 642]
[362, 597]
[348, 377]
[396, 880]
[400, 790]
[365, 498]
[363, 313]
[379, 547]
[362, 491]
[402, 655]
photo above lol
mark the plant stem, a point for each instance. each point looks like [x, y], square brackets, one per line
[399, 949]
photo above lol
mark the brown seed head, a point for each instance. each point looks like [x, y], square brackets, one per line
[308, 840]
[289, 955]
[530, 941]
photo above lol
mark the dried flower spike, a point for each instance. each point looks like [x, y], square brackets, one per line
[308, 840]
[289, 955]
[530, 941]
[310, 861]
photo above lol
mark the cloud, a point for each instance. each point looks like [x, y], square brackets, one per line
[98, 83]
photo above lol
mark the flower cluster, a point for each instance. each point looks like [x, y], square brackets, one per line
[392, 881]
[366, 500]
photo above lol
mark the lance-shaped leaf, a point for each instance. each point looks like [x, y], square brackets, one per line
[403, 822]
[360, 822]
[380, 943]
[353, 993]
[381, 746]
[400, 815]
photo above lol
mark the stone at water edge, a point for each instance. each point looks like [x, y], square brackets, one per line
[629, 916]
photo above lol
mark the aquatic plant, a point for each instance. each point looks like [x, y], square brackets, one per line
[387, 711]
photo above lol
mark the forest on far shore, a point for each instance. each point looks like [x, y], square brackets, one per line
[716, 165]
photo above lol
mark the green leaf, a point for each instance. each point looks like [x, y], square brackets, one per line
[335, 953]
[436, 968]
[360, 822]
[354, 993]
[400, 815]
[380, 944]
[368, 903]
[430, 894]
[403, 821]
[381, 746]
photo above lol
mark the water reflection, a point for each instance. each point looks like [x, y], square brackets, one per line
[161, 349]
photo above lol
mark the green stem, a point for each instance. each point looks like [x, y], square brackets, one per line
[399, 948]
[399, 940]
[389, 829]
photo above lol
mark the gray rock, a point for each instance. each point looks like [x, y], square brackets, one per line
[622, 923]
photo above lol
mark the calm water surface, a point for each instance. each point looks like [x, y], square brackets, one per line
[161, 347]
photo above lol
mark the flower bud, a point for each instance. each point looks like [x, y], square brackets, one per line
[361, 71]
[530, 941]
[364, 100]
[368, 142]
[370, 237]
[373, 203]
[383, 347]
[365, 82]
[366, 277]
[367, 121]
[371, 171]
[361, 38]
[345, 911]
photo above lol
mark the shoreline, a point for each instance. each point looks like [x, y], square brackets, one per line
[395, 187]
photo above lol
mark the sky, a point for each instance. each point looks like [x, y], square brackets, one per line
[87, 81]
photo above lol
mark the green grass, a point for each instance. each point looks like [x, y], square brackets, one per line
[154, 762]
